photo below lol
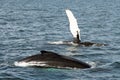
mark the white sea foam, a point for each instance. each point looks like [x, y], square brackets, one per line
[63, 43]
[92, 64]
[56, 42]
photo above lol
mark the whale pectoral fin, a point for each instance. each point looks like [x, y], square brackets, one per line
[73, 25]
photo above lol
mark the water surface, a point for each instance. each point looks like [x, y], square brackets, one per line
[27, 25]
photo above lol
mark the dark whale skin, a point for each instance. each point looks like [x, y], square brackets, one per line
[54, 60]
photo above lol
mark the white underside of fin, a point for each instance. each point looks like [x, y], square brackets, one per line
[73, 24]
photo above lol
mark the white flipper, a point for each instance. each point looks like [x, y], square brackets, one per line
[73, 24]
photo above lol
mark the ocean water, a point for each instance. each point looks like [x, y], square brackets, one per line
[26, 27]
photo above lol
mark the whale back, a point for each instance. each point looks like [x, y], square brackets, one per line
[51, 59]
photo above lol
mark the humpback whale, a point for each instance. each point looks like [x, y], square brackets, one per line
[48, 59]
[74, 29]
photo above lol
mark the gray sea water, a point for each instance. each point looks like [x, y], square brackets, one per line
[26, 27]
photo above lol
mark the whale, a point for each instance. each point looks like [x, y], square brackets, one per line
[48, 59]
[75, 30]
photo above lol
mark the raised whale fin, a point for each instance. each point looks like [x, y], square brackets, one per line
[73, 26]
[48, 53]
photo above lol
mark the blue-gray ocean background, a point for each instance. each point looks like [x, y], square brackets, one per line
[26, 27]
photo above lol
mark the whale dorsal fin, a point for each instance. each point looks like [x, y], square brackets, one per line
[73, 25]
[48, 53]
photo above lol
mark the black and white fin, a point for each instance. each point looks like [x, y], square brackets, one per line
[73, 26]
